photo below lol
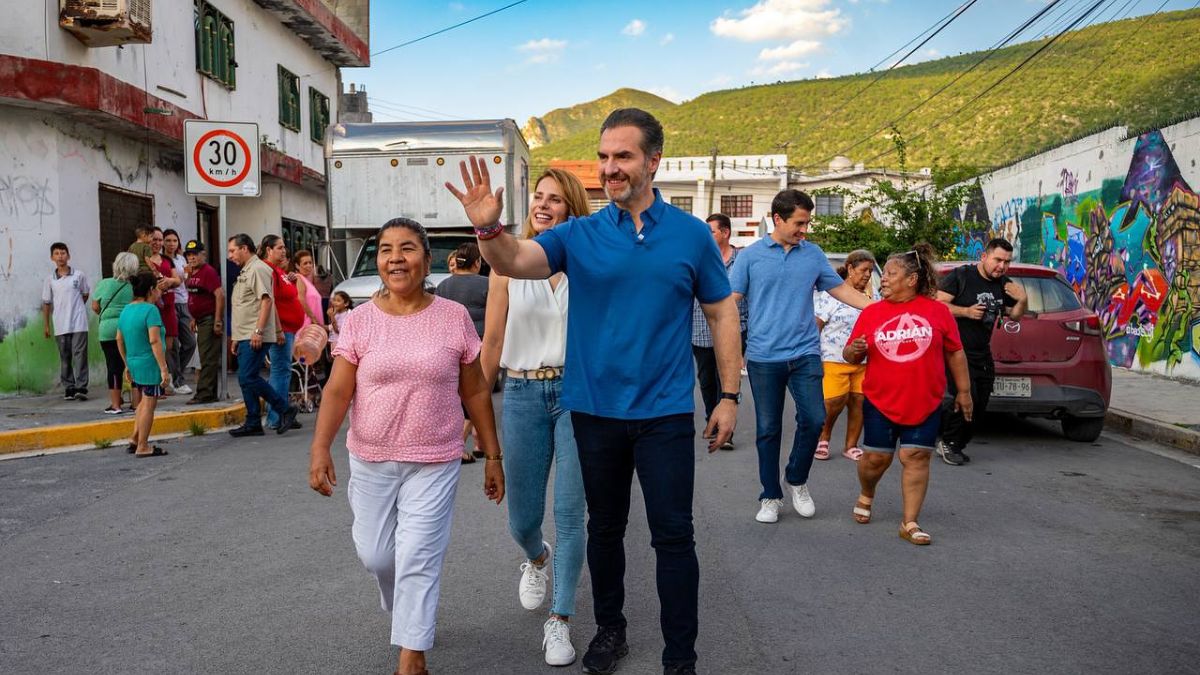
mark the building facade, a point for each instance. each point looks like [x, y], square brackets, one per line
[91, 134]
[1118, 214]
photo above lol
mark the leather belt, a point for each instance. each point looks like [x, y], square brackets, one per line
[543, 373]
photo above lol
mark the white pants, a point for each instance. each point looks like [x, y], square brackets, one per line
[402, 515]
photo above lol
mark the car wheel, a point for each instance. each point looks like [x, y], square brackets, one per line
[1082, 429]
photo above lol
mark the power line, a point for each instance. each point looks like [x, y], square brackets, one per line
[449, 28]
[946, 22]
[1000, 81]
[1012, 35]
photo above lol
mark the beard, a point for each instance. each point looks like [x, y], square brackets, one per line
[632, 186]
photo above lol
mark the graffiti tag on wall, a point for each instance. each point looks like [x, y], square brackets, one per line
[1130, 249]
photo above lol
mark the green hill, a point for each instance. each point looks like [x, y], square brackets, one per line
[1120, 73]
[586, 117]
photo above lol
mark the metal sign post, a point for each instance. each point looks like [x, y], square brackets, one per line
[222, 160]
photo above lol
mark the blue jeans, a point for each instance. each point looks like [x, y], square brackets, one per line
[538, 433]
[768, 380]
[281, 372]
[662, 451]
[250, 379]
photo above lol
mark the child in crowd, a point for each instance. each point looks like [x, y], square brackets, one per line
[339, 304]
[140, 341]
[64, 296]
[141, 248]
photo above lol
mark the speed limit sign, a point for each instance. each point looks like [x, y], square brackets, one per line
[221, 158]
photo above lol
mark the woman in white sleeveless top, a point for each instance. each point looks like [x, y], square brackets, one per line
[525, 333]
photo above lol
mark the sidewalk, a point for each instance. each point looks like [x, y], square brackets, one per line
[30, 423]
[1155, 408]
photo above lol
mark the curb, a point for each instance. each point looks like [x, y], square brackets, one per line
[40, 438]
[1138, 426]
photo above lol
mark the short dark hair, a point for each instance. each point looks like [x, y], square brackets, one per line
[142, 283]
[652, 131]
[787, 201]
[998, 242]
[722, 221]
[142, 230]
[242, 240]
[59, 246]
[410, 225]
[267, 242]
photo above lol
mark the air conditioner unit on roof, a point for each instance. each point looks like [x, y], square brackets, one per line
[105, 23]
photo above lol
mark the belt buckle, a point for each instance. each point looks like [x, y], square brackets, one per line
[544, 373]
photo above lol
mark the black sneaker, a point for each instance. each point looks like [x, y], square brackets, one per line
[287, 420]
[949, 455]
[677, 669]
[239, 432]
[69, 395]
[81, 394]
[965, 459]
[605, 650]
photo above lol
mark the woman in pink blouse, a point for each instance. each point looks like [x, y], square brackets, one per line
[405, 360]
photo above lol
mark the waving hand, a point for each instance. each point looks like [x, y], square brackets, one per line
[481, 205]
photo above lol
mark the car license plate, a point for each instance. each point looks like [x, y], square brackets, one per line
[1013, 387]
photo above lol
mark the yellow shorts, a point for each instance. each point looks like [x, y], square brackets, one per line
[842, 378]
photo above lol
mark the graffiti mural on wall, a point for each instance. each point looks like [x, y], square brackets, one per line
[1130, 249]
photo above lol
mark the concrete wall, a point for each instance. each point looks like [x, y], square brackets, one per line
[1120, 218]
[30, 29]
[52, 163]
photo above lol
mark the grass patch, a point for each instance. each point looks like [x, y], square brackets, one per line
[102, 443]
[197, 428]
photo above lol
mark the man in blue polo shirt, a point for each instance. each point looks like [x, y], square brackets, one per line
[777, 275]
[635, 268]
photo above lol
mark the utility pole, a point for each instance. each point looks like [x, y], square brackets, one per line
[713, 179]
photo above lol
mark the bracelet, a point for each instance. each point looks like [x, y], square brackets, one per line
[489, 232]
[497, 458]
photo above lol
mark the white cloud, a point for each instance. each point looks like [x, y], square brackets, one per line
[720, 79]
[634, 28]
[781, 20]
[794, 50]
[667, 39]
[545, 50]
[668, 92]
[779, 69]
[932, 53]
[457, 7]
[823, 74]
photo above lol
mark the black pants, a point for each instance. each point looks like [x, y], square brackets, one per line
[709, 376]
[956, 430]
[113, 363]
[662, 451]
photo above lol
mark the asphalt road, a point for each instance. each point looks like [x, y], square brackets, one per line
[1048, 556]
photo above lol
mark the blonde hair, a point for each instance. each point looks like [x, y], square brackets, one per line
[573, 193]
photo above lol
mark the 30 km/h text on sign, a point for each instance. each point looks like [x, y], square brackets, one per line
[222, 158]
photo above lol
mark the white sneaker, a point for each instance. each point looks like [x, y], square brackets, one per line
[183, 389]
[557, 643]
[769, 511]
[532, 588]
[802, 501]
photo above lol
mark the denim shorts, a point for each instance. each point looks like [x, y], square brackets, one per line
[880, 434]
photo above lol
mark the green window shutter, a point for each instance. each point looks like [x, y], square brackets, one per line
[228, 65]
[289, 99]
[318, 115]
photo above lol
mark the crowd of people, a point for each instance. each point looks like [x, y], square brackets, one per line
[604, 392]
[598, 394]
[274, 298]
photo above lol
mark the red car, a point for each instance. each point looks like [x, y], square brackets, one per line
[1052, 363]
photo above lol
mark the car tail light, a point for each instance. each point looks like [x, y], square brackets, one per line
[1090, 325]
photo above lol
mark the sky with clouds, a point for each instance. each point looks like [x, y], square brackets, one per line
[544, 54]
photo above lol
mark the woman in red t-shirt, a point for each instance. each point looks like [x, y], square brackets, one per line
[909, 339]
[291, 316]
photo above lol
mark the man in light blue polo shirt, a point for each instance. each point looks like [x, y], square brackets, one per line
[777, 275]
[635, 267]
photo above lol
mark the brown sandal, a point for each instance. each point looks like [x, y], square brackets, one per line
[913, 534]
[862, 510]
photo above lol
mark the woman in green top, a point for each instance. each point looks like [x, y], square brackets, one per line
[108, 299]
[140, 340]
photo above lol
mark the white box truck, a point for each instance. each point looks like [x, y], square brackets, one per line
[383, 170]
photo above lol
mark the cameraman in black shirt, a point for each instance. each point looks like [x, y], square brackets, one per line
[979, 296]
